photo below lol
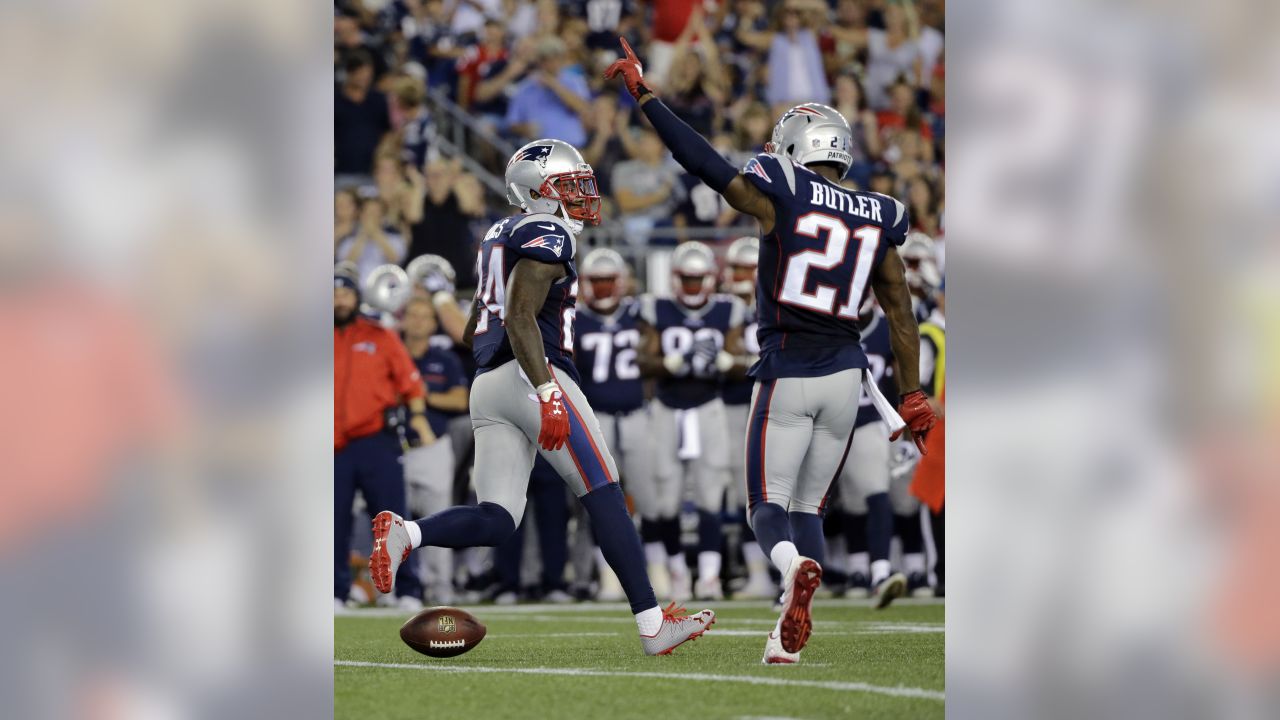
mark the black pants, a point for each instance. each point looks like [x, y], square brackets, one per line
[370, 464]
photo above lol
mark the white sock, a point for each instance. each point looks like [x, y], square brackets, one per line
[782, 554]
[655, 553]
[649, 621]
[913, 562]
[879, 571]
[860, 562]
[708, 565]
[677, 565]
[415, 533]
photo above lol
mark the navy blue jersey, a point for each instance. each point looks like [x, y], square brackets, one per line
[685, 332]
[538, 237]
[738, 392]
[875, 343]
[816, 266]
[441, 371]
[605, 348]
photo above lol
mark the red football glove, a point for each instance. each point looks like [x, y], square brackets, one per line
[630, 70]
[915, 410]
[555, 417]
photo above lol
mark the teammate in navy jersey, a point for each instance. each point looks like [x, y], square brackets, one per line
[525, 397]
[741, 261]
[822, 248]
[868, 517]
[606, 344]
[690, 344]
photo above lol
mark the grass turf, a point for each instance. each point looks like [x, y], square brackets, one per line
[860, 662]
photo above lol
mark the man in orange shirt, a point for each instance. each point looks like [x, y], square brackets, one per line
[372, 374]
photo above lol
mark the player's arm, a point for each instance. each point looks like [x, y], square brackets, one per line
[690, 149]
[890, 285]
[526, 291]
[452, 319]
[469, 332]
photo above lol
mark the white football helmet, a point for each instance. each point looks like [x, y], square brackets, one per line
[919, 255]
[386, 288]
[423, 266]
[741, 261]
[549, 175]
[604, 273]
[693, 273]
[813, 133]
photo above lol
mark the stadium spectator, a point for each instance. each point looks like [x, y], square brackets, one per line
[350, 37]
[609, 132]
[481, 61]
[417, 131]
[360, 118]
[401, 190]
[346, 216]
[844, 40]
[552, 101]
[796, 74]
[642, 187]
[697, 85]
[375, 242]
[432, 41]
[892, 52]
[852, 103]
[496, 80]
[606, 20]
[670, 17]
[448, 208]
[470, 16]
[923, 204]
[521, 17]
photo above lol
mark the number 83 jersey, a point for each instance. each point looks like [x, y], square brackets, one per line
[816, 267]
[538, 237]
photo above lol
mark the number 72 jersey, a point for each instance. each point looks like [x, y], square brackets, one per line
[816, 267]
[537, 237]
[606, 356]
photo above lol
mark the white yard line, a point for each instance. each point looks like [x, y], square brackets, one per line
[834, 685]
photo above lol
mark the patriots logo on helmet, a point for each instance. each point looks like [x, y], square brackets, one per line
[537, 153]
[755, 168]
[554, 243]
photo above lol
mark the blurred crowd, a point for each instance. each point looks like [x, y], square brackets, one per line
[498, 73]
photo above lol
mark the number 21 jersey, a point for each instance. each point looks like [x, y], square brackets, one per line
[816, 267]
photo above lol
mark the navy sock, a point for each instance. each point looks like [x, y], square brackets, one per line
[879, 526]
[908, 527]
[620, 544]
[709, 531]
[769, 521]
[486, 524]
[806, 528]
[671, 535]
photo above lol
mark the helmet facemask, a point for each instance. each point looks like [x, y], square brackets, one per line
[603, 292]
[578, 195]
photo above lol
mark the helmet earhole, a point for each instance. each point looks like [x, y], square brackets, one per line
[791, 149]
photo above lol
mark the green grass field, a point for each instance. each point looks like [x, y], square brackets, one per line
[584, 661]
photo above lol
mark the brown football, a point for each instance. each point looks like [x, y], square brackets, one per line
[442, 632]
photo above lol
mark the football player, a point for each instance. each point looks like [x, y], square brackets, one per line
[741, 260]
[606, 343]
[689, 345]
[864, 481]
[822, 247]
[525, 397]
[920, 261]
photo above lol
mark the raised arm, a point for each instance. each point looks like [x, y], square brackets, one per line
[690, 149]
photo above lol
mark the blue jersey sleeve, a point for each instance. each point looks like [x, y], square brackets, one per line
[897, 222]
[542, 237]
[772, 175]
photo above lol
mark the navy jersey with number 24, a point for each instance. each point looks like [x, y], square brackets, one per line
[539, 237]
[815, 267]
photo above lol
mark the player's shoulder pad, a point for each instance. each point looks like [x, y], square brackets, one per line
[772, 174]
[898, 227]
[543, 237]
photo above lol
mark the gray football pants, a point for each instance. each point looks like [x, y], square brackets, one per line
[428, 475]
[798, 436]
[692, 448]
[628, 436]
[507, 418]
[737, 415]
[866, 470]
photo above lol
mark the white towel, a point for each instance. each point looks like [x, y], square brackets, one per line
[690, 440]
[891, 416]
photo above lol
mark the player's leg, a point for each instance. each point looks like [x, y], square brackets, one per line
[380, 475]
[868, 463]
[588, 468]
[711, 482]
[428, 475]
[907, 522]
[344, 495]
[759, 584]
[668, 493]
[546, 489]
[854, 525]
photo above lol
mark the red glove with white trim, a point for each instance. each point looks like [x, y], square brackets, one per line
[630, 70]
[555, 416]
[915, 411]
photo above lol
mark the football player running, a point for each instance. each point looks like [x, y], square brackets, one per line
[741, 261]
[525, 397]
[822, 247]
[689, 343]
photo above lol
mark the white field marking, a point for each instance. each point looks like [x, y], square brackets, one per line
[835, 685]
[555, 635]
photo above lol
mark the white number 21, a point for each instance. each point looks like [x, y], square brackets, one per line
[823, 298]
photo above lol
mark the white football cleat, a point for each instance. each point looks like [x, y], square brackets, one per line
[677, 628]
[390, 548]
[708, 589]
[774, 654]
[889, 589]
[798, 585]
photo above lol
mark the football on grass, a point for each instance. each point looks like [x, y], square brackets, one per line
[442, 632]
